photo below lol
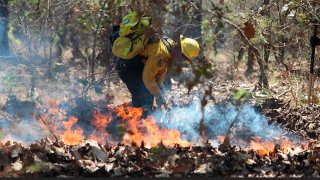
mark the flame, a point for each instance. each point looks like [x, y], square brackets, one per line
[138, 130]
[262, 148]
[53, 116]
[71, 137]
[267, 148]
[100, 122]
[146, 130]
[221, 138]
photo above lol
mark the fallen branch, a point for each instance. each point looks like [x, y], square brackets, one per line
[45, 123]
[227, 139]
[285, 92]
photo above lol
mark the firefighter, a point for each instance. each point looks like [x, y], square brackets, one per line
[144, 58]
[161, 54]
[130, 72]
[145, 73]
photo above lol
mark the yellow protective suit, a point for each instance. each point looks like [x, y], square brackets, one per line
[156, 65]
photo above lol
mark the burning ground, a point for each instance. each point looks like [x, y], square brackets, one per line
[118, 141]
[72, 136]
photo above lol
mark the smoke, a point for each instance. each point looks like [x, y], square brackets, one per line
[2, 23]
[217, 120]
[24, 131]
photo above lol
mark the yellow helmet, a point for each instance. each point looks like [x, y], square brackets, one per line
[189, 47]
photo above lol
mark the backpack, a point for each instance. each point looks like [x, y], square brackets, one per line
[128, 39]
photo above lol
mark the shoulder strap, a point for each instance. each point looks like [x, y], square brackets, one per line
[164, 39]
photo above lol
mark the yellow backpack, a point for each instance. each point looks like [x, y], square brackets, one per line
[131, 40]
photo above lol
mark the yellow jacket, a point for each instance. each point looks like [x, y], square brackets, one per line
[155, 67]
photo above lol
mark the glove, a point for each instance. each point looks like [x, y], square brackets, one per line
[314, 41]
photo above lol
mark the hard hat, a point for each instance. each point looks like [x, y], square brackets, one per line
[189, 47]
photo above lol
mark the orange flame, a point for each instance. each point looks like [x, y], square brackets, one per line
[263, 148]
[147, 130]
[138, 130]
[100, 122]
[71, 137]
[221, 138]
[53, 116]
[267, 148]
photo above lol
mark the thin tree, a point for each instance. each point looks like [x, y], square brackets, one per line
[4, 21]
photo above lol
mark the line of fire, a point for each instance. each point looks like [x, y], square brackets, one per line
[165, 89]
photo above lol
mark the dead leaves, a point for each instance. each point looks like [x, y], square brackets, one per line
[249, 31]
[301, 120]
[46, 158]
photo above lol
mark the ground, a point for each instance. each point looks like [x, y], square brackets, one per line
[281, 110]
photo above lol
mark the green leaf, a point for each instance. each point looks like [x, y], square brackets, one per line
[155, 152]
[34, 1]
[1, 134]
[121, 130]
[240, 94]
[36, 167]
[205, 22]
[9, 77]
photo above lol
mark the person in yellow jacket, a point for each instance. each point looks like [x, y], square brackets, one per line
[161, 54]
[144, 57]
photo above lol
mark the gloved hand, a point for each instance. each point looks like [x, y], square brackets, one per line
[314, 41]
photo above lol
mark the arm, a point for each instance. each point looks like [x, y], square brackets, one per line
[155, 67]
[162, 76]
[149, 76]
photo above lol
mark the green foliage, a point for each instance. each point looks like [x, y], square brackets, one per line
[35, 1]
[155, 152]
[117, 3]
[241, 94]
[10, 77]
[34, 168]
[11, 35]
[121, 129]
[9, 80]
[1, 134]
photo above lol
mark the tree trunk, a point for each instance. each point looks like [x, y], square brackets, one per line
[267, 45]
[241, 53]
[4, 21]
[266, 55]
[62, 39]
[76, 52]
[250, 61]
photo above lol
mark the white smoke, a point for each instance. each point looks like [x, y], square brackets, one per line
[217, 120]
